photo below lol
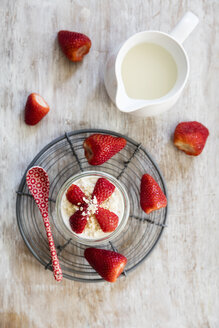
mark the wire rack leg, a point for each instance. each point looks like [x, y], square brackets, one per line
[29, 195]
[128, 161]
[73, 151]
[60, 249]
[149, 221]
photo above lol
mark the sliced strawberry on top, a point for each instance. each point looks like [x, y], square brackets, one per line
[75, 195]
[190, 137]
[107, 220]
[36, 108]
[99, 148]
[74, 45]
[108, 264]
[103, 189]
[151, 196]
[78, 221]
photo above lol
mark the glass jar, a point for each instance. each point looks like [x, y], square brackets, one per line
[68, 233]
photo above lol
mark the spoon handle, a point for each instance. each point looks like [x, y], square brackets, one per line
[54, 258]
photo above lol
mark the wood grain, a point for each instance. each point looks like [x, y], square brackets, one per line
[178, 285]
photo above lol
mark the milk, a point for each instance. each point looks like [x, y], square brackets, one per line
[148, 71]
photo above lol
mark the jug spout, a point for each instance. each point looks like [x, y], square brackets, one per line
[117, 94]
[116, 90]
[126, 104]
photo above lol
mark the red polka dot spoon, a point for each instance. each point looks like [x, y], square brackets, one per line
[38, 183]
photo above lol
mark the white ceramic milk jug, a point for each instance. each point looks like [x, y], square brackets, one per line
[173, 44]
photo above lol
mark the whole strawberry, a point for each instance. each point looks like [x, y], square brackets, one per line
[99, 148]
[151, 196]
[103, 189]
[36, 108]
[108, 264]
[191, 137]
[74, 45]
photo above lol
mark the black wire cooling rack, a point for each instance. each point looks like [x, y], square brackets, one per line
[64, 157]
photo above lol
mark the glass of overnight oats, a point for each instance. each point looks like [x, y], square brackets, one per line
[92, 207]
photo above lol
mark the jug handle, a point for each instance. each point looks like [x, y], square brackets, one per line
[185, 26]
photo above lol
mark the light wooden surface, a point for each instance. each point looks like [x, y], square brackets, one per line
[178, 286]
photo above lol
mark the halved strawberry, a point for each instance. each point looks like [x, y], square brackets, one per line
[75, 195]
[78, 221]
[108, 264]
[103, 189]
[36, 108]
[191, 137]
[107, 220]
[74, 45]
[151, 196]
[99, 148]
